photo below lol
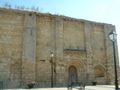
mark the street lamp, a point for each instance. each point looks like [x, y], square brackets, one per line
[52, 67]
[113, 38]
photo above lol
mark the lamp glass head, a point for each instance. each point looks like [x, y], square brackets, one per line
[51, 54]
[113, 35]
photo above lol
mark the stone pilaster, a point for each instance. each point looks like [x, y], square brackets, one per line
[109, 54]
[89, 56]
[29, 47]
[116, 49]
[59, 47]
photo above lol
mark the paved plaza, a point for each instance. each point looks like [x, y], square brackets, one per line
[98, 87]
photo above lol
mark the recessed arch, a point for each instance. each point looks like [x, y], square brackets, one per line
[72, 78]
[99, 71]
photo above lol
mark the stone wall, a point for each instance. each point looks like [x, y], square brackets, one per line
[11, 30]
[28, 38]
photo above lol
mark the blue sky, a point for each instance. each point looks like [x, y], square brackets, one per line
[107, 11]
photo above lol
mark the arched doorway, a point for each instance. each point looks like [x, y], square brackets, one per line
[72, 75]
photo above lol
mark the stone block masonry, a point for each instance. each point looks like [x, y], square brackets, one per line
[82, 50]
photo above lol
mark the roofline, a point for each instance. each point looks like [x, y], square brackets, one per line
[23, 11]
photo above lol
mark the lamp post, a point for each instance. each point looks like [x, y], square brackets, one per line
[52, 67]
[113, 37]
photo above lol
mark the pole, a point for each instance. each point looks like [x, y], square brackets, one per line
[51, 72]
[115, 66]
[20, 73]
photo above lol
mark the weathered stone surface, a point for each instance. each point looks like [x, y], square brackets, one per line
[89, 51]
[29, 47]
[81, 48]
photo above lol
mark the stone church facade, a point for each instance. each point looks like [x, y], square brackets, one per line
[81, 49]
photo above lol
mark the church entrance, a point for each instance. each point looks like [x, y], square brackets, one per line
[72, 75]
